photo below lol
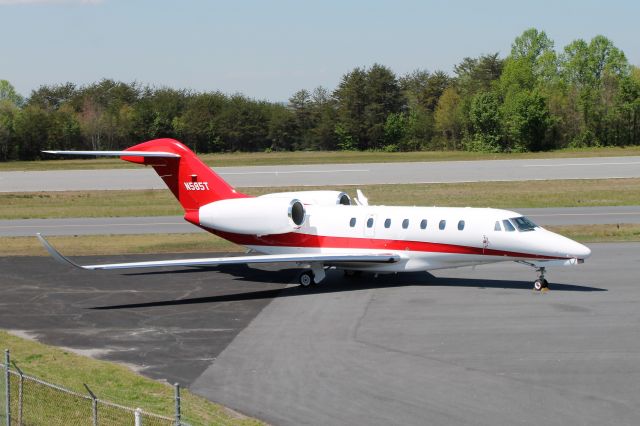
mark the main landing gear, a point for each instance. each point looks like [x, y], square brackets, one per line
[312, 276]
[306, 278]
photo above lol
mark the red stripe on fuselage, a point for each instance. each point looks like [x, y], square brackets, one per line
[294, 239]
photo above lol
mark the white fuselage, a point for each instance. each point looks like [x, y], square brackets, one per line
[425, 237]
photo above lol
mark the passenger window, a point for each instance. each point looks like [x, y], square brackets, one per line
[460, 225]
[423, 224]
[442, 224]
[508, 226]
[370, 222]
[387, 223]
[352, 222]
[405, 224]
[497, 226]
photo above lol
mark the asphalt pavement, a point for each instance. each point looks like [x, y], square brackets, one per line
[336, 174]
[176, 224]
[456, 347]
[463, 347]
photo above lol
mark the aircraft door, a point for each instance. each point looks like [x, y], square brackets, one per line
[370, 226]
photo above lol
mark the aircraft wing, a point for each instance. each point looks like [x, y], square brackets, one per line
[269, 258]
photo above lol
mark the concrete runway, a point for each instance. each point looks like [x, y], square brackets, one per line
[457, 347]
[337, 174]
[176, 224]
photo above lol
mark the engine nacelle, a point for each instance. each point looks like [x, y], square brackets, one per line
[321, 198]
[254, 216]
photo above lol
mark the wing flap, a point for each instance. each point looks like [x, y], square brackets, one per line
[210, 261]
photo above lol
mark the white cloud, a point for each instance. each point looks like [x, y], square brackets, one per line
[6, 2]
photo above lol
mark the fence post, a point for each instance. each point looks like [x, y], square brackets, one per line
[20, 392]
[138, 417]
[7, 360]
[177, 396]
[94, 405]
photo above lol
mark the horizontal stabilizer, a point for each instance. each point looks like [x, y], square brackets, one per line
[118, 153]
[331, 259]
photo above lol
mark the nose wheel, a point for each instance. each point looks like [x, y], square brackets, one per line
[541, 284]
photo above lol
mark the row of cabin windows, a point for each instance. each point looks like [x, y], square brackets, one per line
[405, 223]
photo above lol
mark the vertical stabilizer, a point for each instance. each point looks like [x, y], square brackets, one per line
[191, 181]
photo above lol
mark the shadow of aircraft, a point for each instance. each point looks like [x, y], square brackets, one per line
[335, 282]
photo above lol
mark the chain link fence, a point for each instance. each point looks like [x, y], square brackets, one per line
[27, 400]
[3, 395]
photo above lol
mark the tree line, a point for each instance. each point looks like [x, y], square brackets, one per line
[534, 99]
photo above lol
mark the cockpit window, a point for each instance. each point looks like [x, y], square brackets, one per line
[508, 226]
[523, 224]
[497, 226]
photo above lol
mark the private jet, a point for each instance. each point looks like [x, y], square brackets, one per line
[319, 230]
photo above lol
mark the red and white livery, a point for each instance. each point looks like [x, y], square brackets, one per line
[326, 229]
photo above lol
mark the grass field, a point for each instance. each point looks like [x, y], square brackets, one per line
[321, 157]
[109, 381]
[558, 193]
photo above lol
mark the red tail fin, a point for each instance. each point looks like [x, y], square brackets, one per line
[192, 182]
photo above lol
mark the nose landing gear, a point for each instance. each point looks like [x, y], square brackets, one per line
[541, 284]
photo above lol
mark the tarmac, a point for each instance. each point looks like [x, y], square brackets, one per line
[335, 174]
[455, 347]
[176, 224]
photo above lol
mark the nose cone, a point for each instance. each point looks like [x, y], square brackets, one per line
[580, 251]
[569, 248]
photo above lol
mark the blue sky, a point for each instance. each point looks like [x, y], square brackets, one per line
[270, 49]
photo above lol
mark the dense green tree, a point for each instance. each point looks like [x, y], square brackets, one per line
[8, 94]
[31, 126]
[592, 71]
[53, 97]
[532, 99]
[8, 111]
[365, 98]
[526, 122]
[448, 118]
[478, 74]
[351, 98]
[486, 121]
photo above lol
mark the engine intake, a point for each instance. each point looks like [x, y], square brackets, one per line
[254, 216]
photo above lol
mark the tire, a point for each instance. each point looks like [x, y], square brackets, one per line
[306, 279]
[538, 285]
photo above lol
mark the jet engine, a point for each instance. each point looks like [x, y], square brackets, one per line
[321, 198]
[254, 216]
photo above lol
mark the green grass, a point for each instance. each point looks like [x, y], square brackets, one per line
[86, 245]
[321, 157]
[109, 381]
[610, 233]
[558, 193]
[121, 244]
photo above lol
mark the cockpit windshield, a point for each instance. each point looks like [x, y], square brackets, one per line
[523, 224]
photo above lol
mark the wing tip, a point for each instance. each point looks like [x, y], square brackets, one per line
[57, 256]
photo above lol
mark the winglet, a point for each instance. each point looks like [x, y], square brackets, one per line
[361, 200]
[56, 254]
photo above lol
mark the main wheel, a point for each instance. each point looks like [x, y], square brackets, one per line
[545, 284]
[306, 278]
